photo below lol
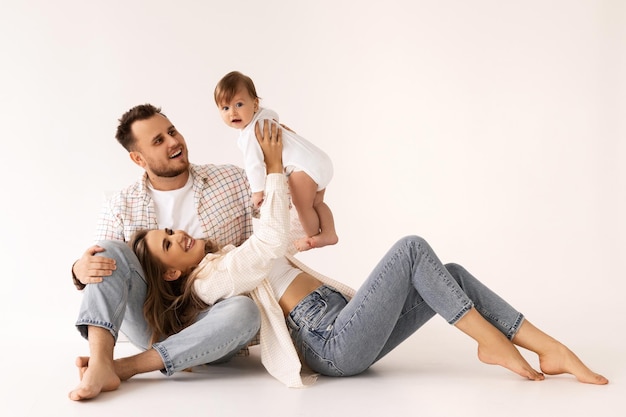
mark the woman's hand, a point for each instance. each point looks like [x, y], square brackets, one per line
[271, 142]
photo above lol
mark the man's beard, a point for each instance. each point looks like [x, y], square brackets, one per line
[168, 172]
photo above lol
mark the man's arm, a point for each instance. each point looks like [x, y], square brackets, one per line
[90, 269]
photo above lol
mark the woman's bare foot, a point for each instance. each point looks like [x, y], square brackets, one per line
[493, 347]
[554, 357]
[560, 360]
[317, 241]
[502, 352]
[94, 379]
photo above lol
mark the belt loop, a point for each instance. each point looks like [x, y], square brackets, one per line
[291, 324]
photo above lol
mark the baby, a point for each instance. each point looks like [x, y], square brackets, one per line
[308, 168]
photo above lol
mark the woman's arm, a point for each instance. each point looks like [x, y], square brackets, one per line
[252, 153]
[243, 268]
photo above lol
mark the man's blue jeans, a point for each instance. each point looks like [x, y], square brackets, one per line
[116, 304]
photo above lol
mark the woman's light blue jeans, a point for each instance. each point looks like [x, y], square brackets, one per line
[116, 304]
[408, 287]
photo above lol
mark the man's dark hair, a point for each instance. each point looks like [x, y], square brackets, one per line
[124, 134]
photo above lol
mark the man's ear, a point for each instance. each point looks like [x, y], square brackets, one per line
[137, 158]
[172, 274]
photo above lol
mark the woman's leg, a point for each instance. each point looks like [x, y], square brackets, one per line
[406, 288]
[339, 338]
[554, 357]
[491, 321]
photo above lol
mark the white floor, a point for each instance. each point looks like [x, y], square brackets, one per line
[434, 373]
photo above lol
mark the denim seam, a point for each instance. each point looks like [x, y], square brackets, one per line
[461, 313]
[307, 349]
[165, 357]
[121, 307]
[170, 367]
[392, 259]
[460, 294]
[97, 323]
[515, 328]
[486, 314]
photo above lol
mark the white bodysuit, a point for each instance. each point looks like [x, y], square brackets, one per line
[298, 154]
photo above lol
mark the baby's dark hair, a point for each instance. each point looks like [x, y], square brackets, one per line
[228, 86]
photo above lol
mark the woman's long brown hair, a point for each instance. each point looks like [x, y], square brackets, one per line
[170, 306]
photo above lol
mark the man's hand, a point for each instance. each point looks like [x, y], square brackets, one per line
[90, 269]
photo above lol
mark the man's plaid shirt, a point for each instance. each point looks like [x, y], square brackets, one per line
[222, 198]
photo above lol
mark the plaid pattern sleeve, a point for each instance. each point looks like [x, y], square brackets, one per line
[126, 212]
[224, 203]
[222, 199]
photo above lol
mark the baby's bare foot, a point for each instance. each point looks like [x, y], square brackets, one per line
[317, 241]
[324, 239]
[560, 360]
[303, 244]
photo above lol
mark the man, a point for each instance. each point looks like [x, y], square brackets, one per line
[211, 201]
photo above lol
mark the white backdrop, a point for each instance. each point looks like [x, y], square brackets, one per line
[495, 129]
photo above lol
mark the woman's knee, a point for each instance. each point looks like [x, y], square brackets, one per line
[414, 240]
[417, 243]
[456, 271]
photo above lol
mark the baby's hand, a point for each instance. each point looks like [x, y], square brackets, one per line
[257, 199]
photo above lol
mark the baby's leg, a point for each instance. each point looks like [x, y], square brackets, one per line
[303, 191]
[327, 235]
[315, 216]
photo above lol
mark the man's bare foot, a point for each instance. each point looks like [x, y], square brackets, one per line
[560, 360]
[502, 352]
[317, 241]
[94, 379]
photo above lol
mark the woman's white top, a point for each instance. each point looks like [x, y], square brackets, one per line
[246, 268]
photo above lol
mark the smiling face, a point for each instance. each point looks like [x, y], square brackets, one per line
[161, 150]
[176, 250]
[239, 111]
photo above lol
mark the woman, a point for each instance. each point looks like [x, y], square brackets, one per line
[335, 330]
